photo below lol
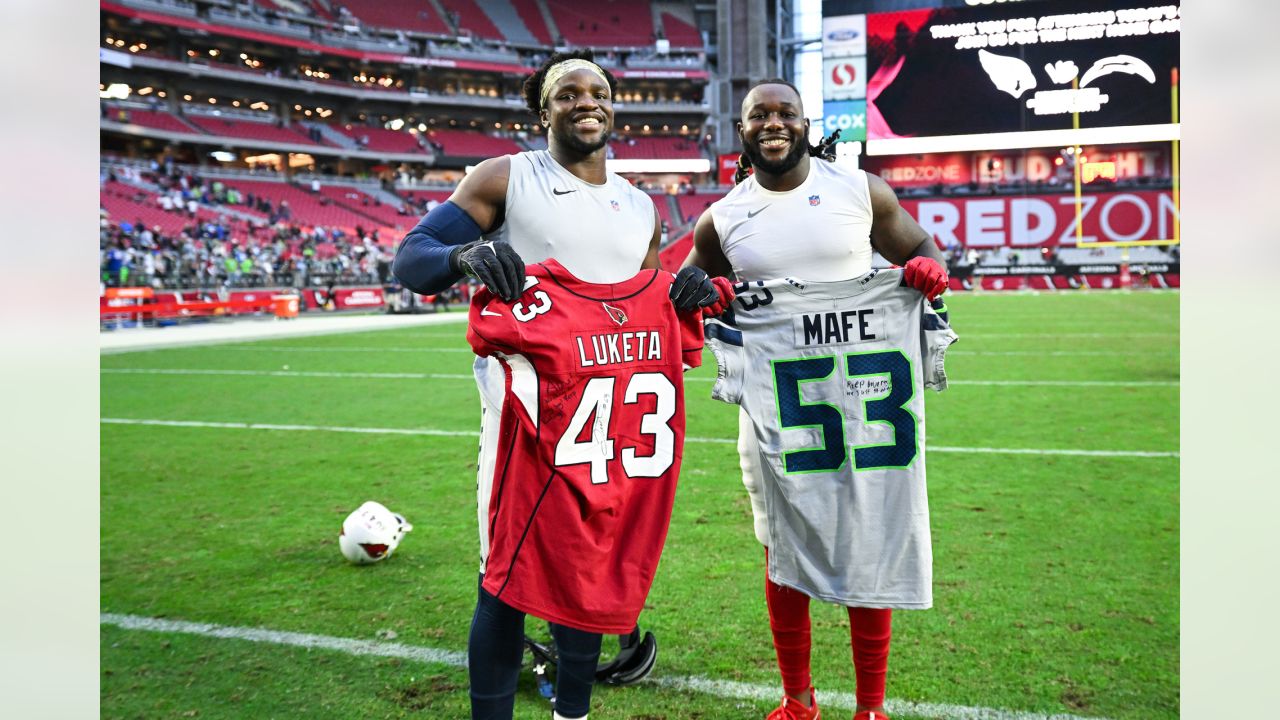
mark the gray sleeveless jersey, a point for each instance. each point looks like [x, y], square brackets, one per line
[599, 233]
[831, 376]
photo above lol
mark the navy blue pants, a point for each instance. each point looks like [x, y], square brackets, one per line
[495, 652]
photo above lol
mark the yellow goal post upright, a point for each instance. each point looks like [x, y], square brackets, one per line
[1176, 239]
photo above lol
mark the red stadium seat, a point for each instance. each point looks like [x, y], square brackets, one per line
[463, 143]
[680, 33]
[604, 23]
[382, 139]
[471, 17]
[251, 129]
[415, 15]
[651, 147]
[531, 15]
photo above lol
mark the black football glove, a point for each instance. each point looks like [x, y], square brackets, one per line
[692, 289]
[496, 264]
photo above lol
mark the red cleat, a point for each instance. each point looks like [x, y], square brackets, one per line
[870, 715]
[793, 709]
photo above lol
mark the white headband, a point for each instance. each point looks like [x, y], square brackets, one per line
[560, 69]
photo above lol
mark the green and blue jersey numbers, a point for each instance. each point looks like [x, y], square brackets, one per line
[870, 387]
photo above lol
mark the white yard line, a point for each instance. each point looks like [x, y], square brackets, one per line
[1058, 353]
[964, 335]
[452, 658]
[459, 376]
[238, 330]
[705, 440]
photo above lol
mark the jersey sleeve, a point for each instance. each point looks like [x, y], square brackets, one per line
[725, 341]
[936, 336]
[691, 339]
[491, 328]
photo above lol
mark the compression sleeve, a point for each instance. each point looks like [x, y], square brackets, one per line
[424, 262]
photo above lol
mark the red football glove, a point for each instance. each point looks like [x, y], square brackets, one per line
[725, 286]
[926, 275]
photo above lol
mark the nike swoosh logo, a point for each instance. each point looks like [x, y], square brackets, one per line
[558, 191]
[485, 311]
[757, 212]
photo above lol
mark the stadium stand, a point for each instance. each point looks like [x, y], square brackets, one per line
[358, 201]
[654, 147]
[131, 204]
[691, 206]
[680, 33]
[531, 15]
[472, 19]
[149, 118]
[305, 8]
[604, 23]
[305, 207]
[412, 15]
[381, 139]
[462, 143]
[251, 129]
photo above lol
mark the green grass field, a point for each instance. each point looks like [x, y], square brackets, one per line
[1055, 575]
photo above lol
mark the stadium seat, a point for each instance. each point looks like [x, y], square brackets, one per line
[413, 15]
[604, 23]
[463, 143]
[250, 129]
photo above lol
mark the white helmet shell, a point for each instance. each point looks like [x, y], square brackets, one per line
[371, 533]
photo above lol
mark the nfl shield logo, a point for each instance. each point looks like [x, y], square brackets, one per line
[615, 205]
[615, 313]
[815, 200]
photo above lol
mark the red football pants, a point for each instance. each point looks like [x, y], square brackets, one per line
[870, 630]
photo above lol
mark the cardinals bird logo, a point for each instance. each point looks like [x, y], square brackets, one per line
[617, 314]
[1014, 76]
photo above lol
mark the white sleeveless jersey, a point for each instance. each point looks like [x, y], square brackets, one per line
[831, 376]
[819, 231]
[599, 233]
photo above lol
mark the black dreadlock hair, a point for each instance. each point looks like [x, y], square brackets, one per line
[532, 88]
[825, 149]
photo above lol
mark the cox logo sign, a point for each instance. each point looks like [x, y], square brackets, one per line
[847, 116]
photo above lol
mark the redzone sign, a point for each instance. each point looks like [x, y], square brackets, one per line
[1040, 220]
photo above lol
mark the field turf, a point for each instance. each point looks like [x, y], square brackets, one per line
[1055, 574]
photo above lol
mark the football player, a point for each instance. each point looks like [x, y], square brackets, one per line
[524, 208]
[843, 215]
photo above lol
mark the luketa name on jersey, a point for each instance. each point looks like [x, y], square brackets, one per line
[586, 450]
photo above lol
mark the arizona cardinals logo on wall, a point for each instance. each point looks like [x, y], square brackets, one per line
[615, 313]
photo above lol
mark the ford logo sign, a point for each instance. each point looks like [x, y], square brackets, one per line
[843, 35]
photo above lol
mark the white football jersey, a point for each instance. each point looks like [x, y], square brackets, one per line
[599, 233]
[831, 375]
[821, 230]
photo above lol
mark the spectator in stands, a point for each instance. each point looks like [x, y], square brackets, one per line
[500, 217]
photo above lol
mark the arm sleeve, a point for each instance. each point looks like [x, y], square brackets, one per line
[691, 338]
[423, 261]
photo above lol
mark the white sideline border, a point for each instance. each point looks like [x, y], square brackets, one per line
[707, 686]
[688, 439]
[459, 376]
[231, 330]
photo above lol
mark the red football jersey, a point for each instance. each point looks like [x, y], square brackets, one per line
[589, 443]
